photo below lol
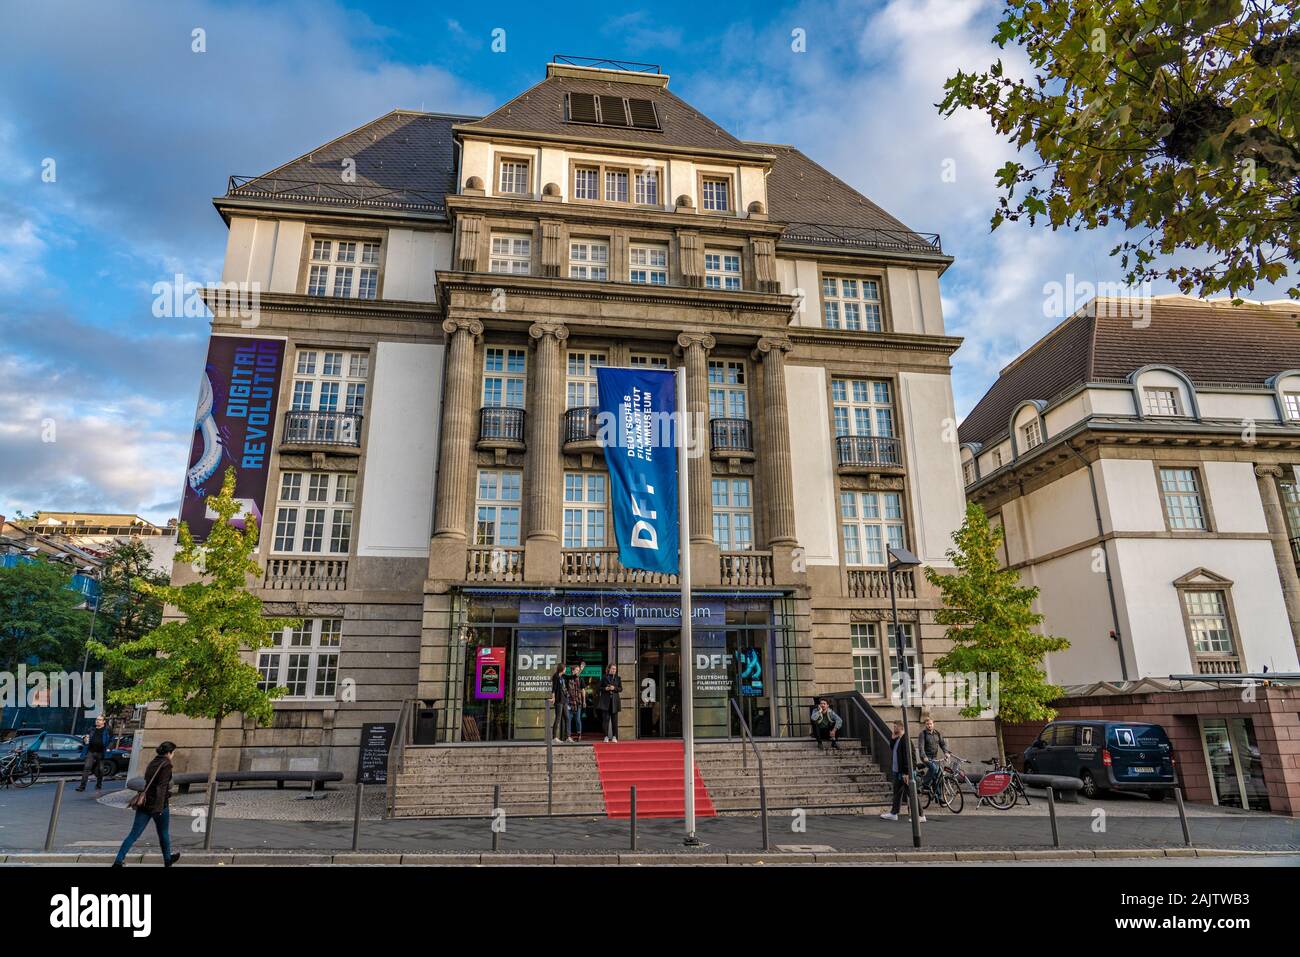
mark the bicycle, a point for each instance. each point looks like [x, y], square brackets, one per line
[1001, 786]
[19, 768]
[946, 791]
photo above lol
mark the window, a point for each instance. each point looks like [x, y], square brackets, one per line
[647, 187]
[328, 381]
[580, 386]
[1161, 402]
[1207, 619]
[733, 514]
[313, 515]
[728, 394]
[588, 260]
[1180, 489]
[996, 456]
[851, 304]
[346, 269]
[304, 661]
[512, 176]
[648, 361]
[511, 254]
[616, 186]
[870, 522]
[648, 264]
[1291, 402]
[584, 510]
[1033, 434]
[909, 652]
[497, 507]
[721, 269]
[586, 180]
[714, 193]
[865, 641]
[503, 377]
[968, 472]
[862, 407]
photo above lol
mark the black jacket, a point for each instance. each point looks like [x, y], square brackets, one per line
[932, 744]
[907, 746]
[97, 740]
[158, 785]
[609, 700]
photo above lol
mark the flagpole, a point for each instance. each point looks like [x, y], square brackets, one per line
[684, 576]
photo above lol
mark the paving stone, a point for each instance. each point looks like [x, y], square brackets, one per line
[538, 857]
[771, 857]
[1055, 854]
[1130, 852]
[1180, 852]
[926, 856]
[857, 857]
[265, 859]
[673, 857]
[364, 857]
[986, 855]
[440, 860]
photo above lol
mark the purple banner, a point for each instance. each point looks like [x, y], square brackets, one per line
[233, 426]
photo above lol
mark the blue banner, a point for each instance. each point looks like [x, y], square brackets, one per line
[634, 422]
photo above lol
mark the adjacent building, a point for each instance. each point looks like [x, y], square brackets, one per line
[435, 295]
[1142, 460]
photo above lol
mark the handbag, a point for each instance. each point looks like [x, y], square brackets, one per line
[136, 803]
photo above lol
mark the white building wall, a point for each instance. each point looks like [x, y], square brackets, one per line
[1237, 405]
[812, 466]
[1073, 598]
[401, 452]
[1233, 494]
[412, 258]
[925, 402]
[1130, 500]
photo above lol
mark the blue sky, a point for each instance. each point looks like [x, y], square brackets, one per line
[97, 395]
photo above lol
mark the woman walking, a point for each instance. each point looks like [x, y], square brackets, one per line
[611, 686]
[154, 804]
[559, 704]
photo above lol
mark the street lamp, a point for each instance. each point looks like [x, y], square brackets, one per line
[900, 558]
[92, 601]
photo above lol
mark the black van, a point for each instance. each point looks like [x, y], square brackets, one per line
[1106, 756]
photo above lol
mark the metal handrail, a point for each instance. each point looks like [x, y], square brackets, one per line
[744, 763]
[550, 760]
[874, 722]
[401, 734]
[334, 192]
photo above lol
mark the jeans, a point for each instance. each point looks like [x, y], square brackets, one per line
[575, 721]
[162, 822]
[900, 788]
[931, 772]
[611, 724]
[560, 721]
[823, 733]
[92, 763]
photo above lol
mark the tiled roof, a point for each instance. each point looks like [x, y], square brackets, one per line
[540, 109]
[1212, 343]
[404, 160]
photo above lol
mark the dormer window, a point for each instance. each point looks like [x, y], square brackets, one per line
[344, 268]
[1291, 402]
[1033, 434]
[968, 472]
[715, 194]
[513, 176]
[1161, 401]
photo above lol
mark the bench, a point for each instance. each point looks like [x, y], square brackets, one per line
[184, 780]
[1066, 788]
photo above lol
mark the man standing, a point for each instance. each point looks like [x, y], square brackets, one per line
[826, 724]
[932, 747]
[96, 744]
[901, 762]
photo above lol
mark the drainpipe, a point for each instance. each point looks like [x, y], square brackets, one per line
[1110, 584]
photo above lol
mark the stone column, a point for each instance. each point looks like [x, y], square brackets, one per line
[1267, 476]
[544, 476]
[447, 556]
[778, 484]
[695, 350]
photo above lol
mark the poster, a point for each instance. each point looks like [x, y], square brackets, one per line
[372, 756]
[489, 674]
[749, 672]
[233, 425]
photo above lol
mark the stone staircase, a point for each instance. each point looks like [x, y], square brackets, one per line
[457, 780]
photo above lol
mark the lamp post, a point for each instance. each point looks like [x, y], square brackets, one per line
[900, 558]
[93, 601]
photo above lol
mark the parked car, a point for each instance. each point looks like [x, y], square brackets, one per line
[64, 753]
[1106, 756]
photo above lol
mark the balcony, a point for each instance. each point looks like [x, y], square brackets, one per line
[495, 564]
[600, 566]
[868, 453]
[746, 569]
[731, 439]
[874, 583]
[501, 428]
[308, 574]
[580, 429]
[1218, 666]
[322, 431]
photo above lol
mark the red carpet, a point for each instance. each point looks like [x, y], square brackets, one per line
[655, 767]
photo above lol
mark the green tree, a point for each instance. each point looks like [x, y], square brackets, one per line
[1173, 118]
[126, 611]
[992, 625]
[42, 620]
[195, 666]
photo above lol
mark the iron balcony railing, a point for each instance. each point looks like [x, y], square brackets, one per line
[731, 435]
[333, 192]
[826, 234]
[501, 423]
[868, 450]
[580, 424]
[322, 428]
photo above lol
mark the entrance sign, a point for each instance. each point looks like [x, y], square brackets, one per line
[233, 425]
[635, 415]
[372, 757]
[489, 672]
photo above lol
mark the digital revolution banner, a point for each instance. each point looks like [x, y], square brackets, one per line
[642, 464]
[233, 425]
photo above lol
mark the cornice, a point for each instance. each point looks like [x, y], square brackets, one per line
[326, 213]
[844, 338]
[327, 305]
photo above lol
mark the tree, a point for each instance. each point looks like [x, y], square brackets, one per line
[42, 621]
[1173, 118]
[126, 611]
[195, 666]
[991, 624]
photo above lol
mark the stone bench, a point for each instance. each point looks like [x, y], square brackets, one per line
[185, 780]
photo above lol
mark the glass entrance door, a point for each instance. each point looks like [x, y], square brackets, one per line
[659, 683]
[588, 647]
[1236, 771]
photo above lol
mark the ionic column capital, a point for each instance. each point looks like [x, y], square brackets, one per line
[539, 330]
[769, 345]
[688, 340]
[1268, 471]
[453, 326]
